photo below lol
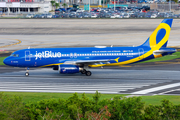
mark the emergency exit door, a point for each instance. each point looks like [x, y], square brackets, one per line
[141, 53]
[27, 56]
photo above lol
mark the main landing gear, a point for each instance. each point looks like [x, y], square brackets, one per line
[27, 72]
[88, 73]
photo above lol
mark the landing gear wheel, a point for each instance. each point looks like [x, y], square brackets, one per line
[88, 73]
[26, 74]
[83, 71]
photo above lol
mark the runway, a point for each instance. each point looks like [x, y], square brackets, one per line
[146, 79]
[143, 80]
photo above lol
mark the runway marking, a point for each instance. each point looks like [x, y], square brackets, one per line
[22, 86]
[72, 86]
[168, 91]
[164, 62]
[167, 62]
[62, 88]
[19, 41]
[43, 44]
[1, 52]
[125, 66]
[105, 92]
[47, 82]
[146, 91]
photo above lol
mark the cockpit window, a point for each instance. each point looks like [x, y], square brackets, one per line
[15, 55]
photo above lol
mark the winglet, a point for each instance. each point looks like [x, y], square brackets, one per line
[117, 59]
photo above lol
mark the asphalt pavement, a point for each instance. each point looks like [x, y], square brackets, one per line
[139, 80]
[18, 34]
[143, 79]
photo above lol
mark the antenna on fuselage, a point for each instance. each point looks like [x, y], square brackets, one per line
[29, 47]
[111, 45]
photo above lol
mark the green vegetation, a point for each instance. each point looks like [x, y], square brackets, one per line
[1, 60]
[85, 108]
[57, 5]
[156, 100]
[64, 5]
[164, 58]
[53, 3]
[34, 97]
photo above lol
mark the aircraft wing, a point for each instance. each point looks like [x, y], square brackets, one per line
[88, 62]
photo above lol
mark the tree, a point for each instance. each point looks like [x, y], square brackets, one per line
[53, 3]
[96, 98]
[57, 5]
[64, 4]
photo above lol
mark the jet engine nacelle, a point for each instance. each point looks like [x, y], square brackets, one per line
[68, 69]
[56, 68]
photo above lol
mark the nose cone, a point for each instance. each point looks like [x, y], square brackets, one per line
[6, 61]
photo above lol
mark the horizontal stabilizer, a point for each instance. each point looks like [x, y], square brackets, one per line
[164, 50]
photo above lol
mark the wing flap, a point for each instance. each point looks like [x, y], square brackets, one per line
[88, 62]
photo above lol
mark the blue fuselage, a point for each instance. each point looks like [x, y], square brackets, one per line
[44, 57]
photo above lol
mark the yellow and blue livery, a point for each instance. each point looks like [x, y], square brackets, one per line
[75, 60]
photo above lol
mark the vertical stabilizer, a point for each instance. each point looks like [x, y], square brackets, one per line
[159, 38]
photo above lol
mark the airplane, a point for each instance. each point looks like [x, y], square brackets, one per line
[76, 60]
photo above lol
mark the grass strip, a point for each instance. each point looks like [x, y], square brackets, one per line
[1, 60]
[31, 97]
[36, 96]
[156, 99]
[164, 58]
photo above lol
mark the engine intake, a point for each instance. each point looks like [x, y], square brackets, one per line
[56, 68]
[68, 69]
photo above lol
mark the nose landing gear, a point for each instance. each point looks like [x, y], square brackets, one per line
[27, 72]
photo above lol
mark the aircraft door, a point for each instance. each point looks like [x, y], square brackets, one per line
[27, 56]
[75, 55]
[71, 55]
[141, 53]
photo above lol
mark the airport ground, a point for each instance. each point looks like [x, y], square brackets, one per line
[35, 33]
[148, 79]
